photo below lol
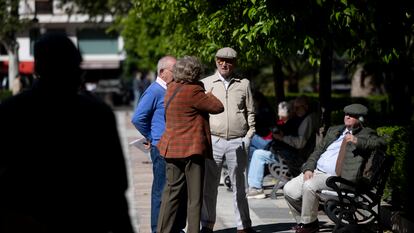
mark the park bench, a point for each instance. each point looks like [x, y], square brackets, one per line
[280, 171]
[355, 206]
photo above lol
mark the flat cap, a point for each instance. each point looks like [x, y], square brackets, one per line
[356, 109]
[226, 52]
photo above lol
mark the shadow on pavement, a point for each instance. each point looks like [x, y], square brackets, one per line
[278, 227]
[268, 228]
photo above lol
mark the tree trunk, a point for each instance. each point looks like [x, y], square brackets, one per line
[12, 46]
[13, 52]
[278, 80]
[325, 84]
[293, 86]
[400, 93]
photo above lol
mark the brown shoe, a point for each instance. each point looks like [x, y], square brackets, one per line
[312, 227]
[247, 230]
[206, 230]
[297, 226]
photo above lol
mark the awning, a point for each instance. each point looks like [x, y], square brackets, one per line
[96, 65]
[25, 67]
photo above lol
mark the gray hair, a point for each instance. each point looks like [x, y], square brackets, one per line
[284, 109]
[165, 62]
[187, 70]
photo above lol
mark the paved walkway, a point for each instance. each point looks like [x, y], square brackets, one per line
[267, 215]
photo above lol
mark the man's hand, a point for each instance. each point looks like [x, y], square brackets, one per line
[209, 91]
[278, 136]
[351, 138]
[307, 175]
[147, 144]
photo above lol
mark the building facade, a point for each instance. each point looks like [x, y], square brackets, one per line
[102, 52]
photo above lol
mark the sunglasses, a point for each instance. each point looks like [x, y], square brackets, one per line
[221, 62]
[352, 115]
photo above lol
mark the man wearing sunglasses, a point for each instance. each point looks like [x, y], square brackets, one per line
[231, 132]
[342, 152]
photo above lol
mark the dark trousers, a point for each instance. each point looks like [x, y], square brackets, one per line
[158, 171]
[185, 178]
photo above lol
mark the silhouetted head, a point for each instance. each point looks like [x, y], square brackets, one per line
[57, 62]
[301, 105]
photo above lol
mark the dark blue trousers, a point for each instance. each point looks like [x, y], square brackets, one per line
[158, 171]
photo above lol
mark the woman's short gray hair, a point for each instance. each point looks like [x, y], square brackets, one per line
[187, 70]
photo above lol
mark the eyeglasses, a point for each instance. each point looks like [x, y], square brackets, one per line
[221, 62]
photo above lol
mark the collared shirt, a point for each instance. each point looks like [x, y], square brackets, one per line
[327, 162]
[161, 82]
[225, 81]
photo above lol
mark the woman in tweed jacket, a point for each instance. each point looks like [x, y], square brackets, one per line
[185, 144]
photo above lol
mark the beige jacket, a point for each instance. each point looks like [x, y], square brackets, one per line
[237, 120]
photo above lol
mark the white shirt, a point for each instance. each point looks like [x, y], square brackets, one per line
[327, 162]
[161, 82]
[226, 83]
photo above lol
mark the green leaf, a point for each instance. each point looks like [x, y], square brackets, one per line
[252, 13]
[337, 14]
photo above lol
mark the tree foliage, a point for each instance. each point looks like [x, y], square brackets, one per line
[266, 32]
[10, 25]
[10, 22]
[274, 32]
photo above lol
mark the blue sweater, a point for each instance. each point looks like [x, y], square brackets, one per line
[149, 114]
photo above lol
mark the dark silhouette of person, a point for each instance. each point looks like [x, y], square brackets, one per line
[61, 162]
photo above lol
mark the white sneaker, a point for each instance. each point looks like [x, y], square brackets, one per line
[255, 193]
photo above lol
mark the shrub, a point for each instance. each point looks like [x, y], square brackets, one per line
[398, 146]
[4, 94]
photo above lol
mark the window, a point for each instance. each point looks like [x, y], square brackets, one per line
[44, 6]
[97, 41]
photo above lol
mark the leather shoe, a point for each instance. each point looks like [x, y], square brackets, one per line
[312, 227]
[301, 225]
[247, 230]
[297, 226]
[206, 230]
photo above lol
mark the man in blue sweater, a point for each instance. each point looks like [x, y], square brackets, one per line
[150, 122]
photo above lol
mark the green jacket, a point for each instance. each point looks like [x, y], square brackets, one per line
[356, 155]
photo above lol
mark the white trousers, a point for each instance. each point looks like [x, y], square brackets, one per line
[301, 196]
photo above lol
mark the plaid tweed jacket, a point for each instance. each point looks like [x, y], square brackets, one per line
[187, 130]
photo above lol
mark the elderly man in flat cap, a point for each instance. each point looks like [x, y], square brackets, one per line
[342, 152]
[231, 132]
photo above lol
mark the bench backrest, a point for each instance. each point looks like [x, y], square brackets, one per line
[377, 170]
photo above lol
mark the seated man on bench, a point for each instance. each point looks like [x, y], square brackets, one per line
[341, 153]
[292, 143]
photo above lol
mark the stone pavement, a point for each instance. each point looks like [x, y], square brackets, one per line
[267, 215]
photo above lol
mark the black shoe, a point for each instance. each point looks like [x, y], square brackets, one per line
[247, 230]
[206, 230]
